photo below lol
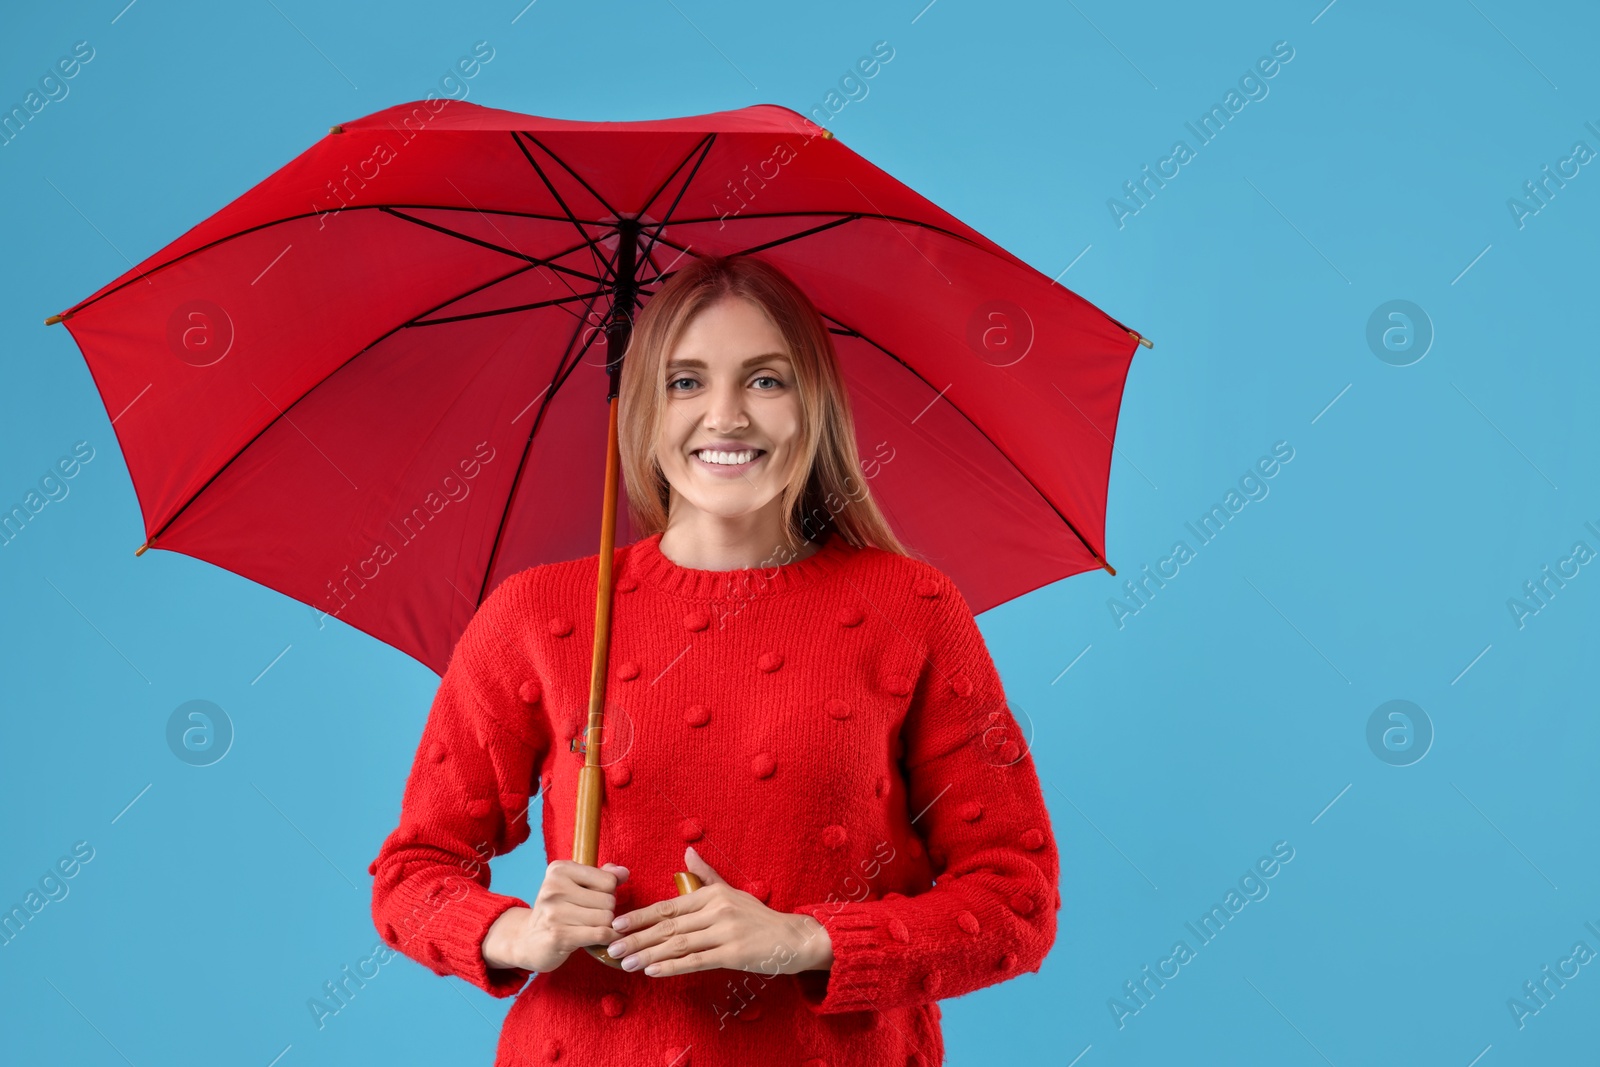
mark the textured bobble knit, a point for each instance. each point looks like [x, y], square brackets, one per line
[832, 736]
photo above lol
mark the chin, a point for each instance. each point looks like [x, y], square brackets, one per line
[724, 506]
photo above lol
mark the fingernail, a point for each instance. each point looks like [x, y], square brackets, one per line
[654, 968]
[617, 948]
[619, 923]
[631, 963]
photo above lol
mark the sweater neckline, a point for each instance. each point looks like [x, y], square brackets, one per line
[647, 563]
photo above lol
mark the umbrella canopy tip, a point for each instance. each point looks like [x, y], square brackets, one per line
[335, 129]
[1137, 336]
[53, 319]
[140, 550]
[1106, 564]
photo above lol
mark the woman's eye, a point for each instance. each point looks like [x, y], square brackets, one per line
[777, 383]
[675, 381]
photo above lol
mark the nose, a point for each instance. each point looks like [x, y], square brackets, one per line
[725, 409]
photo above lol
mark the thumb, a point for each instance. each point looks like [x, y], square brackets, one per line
[618, 869]
[700, 868]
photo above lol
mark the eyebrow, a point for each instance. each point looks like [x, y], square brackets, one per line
[766, 357]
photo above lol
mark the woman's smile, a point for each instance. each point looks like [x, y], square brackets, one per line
[725, 464]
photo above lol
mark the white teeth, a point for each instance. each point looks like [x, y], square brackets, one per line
[728, 458]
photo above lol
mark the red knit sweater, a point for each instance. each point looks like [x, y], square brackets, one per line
[832, 736]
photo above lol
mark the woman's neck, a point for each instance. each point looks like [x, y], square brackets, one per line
[712, 543]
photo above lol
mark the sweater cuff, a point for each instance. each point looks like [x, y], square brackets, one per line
[859, 962]
[461, 952]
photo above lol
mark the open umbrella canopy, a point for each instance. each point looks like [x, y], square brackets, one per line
[376, 382]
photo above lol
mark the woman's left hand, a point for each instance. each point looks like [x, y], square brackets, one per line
[718, 926]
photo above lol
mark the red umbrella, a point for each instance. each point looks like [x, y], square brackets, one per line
[372, 382]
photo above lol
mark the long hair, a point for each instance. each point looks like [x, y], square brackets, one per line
[830, 491]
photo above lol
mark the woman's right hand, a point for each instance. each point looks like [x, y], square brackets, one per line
[574, 908]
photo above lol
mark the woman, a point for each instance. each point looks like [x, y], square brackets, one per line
[798, 712]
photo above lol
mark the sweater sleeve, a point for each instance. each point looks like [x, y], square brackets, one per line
[466, 800]
[974, 798]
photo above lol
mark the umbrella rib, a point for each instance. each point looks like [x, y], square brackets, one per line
[649, 259]
[850, 331]
[684, 249]
[569, 298]
[795, 236]
[848, 215]
[550, 186]
[709, 142]
[704, 148]
[284, 412]
[556, 381]
[144, 275]
[594, 247]
[535, 260]
[592, 190]
[770, 244]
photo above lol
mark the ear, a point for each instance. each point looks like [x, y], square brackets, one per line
[700, 868]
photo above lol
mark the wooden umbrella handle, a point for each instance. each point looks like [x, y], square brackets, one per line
[591, 777]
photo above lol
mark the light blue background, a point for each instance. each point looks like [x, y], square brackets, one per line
[1223, 717]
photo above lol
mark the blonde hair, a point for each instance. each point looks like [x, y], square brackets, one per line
[833, 491]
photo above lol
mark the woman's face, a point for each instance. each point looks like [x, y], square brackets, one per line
[730, 391]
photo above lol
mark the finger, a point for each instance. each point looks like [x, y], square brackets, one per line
[657, 933]
[572, 915]
[698, 957]
[560, 887]
[582, 874]
[661, 909]
[700, 868]
[679, 954]
[586, 898]
[572, 938]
